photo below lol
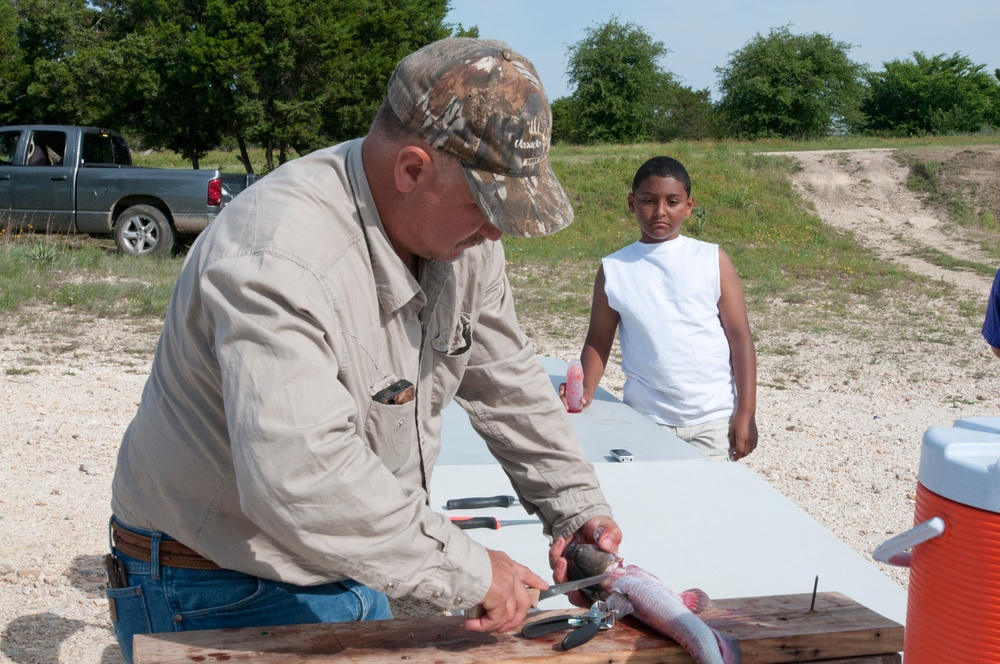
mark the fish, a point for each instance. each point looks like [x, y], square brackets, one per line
[631, 590]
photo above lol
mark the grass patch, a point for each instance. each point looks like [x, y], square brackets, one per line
[948, 262]
[20, 371]
[85, 275]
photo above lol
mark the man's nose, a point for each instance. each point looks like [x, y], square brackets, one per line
[490, 232]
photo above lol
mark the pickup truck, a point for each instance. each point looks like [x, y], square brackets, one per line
[66, 179]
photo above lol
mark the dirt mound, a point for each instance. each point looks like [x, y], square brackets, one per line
[865, 192]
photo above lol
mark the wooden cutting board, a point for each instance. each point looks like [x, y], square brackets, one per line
[779, 628]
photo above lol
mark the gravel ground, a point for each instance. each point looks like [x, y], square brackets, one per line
[841, 418]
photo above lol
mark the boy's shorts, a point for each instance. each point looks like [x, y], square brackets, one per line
[710, 437]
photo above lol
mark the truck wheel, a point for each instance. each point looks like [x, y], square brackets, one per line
[142, 230]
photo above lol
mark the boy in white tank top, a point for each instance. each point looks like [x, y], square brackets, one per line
[677, 304]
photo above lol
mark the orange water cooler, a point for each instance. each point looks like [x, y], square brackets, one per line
[953, 602]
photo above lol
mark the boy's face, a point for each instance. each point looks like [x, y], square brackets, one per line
[660, 206]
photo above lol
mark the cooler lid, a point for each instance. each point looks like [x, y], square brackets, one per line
[962, 462]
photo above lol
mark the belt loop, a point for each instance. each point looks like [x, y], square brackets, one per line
[154, 554]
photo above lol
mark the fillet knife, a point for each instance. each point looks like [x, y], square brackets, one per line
[553, 590]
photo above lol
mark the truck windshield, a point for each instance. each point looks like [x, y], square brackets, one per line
[104, 148]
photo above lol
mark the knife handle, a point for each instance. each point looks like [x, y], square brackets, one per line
[467, 522]
[479, 502]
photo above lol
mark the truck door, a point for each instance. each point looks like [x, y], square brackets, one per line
[8, 146]
[43, 186]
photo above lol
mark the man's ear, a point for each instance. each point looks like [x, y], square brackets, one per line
[412, 162]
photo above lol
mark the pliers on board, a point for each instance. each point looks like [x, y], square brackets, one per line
[585, 626]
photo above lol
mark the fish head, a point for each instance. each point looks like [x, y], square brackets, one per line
[588, 560]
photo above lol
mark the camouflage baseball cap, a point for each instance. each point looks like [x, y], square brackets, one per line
[483, 103]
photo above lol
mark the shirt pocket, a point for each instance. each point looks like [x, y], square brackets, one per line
[391, 433]
[452, 348]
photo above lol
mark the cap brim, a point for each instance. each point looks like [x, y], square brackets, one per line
[526, 206]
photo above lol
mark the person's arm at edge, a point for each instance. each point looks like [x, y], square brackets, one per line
[991, 323]
[733, 314]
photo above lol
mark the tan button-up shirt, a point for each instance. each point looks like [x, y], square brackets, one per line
[257, 442]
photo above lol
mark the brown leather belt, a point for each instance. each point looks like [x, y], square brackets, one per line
[172, 552]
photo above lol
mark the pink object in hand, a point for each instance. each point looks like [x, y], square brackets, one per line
[574, 387]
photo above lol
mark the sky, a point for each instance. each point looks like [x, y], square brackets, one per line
[701, 36]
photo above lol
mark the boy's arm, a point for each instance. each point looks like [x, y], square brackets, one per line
[600, 336]
[733, 314]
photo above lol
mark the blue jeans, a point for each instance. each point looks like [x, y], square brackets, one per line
[170, 599]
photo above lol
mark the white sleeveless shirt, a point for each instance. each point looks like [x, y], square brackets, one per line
[675, 354]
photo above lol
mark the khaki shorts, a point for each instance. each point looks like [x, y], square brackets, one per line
[710, 437]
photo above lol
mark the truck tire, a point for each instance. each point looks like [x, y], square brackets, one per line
[142, 230]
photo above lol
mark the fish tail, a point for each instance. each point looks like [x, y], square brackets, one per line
[729, 646]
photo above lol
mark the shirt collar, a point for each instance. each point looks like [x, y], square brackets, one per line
[393, 282]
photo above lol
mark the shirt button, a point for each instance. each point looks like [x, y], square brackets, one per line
[436, 594]
[390, 586]
[178, 618]
[458, 601]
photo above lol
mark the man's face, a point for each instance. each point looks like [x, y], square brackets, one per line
[449, 221]
[660, 206]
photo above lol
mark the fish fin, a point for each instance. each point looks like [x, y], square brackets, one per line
[620, 604]
[730, 648]
[695, 600]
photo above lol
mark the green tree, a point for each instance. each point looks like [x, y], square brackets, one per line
[289, 75]
[688, 114]
[623, 95]
[618, 83]
[937, 95]
[187, 75]
[786, 85]
[52, 38]
[13, 70]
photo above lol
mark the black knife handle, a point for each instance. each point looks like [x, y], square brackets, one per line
[467, 522]
[477, 503]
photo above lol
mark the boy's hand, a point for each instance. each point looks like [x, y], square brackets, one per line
[584, 401]
[742, 437]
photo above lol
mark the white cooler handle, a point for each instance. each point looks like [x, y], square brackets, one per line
[894, 551]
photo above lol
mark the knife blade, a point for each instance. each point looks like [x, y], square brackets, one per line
[569, 586]
[479, 502]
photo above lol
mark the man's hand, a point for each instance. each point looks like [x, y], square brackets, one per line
[507, 602]
[602, 531]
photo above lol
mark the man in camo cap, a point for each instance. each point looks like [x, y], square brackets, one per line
[278, 467]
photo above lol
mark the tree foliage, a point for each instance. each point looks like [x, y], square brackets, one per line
[187, 75]
[937, 95]
[786, 85]
[623, 95]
